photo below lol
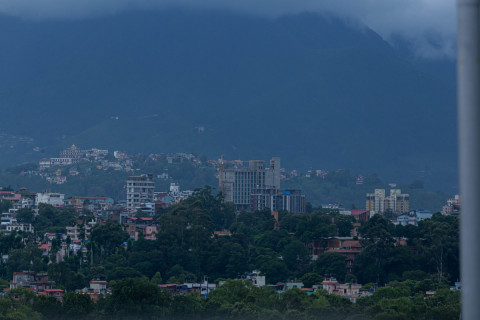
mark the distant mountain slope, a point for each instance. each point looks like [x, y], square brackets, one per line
[311, 89]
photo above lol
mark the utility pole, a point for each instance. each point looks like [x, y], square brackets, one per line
[468, 14]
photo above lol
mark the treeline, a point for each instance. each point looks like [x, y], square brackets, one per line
[236, 299]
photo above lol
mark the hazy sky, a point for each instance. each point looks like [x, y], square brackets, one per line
[414, 19]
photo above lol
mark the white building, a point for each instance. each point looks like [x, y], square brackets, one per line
[256, 278]
[174, 189]
[413, 217]
[25, 227]
[52, 198]
[140, 190]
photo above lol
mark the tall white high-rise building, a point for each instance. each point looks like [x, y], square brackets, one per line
[140, 190]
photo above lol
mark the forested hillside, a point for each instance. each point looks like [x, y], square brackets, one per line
[315, 89]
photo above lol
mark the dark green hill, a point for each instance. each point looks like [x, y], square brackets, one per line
[311, 89]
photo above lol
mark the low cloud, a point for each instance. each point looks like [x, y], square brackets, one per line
[428, 24]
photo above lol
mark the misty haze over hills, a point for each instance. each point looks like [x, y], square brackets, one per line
[311, 89]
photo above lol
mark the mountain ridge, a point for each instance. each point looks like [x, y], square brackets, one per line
[305, 87]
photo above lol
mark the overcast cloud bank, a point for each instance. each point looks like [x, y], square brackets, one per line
[429, 24]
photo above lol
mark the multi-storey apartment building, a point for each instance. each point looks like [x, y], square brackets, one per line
[397, 202]
[376, 201]
[140, 190]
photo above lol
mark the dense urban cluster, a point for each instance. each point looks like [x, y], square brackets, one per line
[254, 250]
[330, 264]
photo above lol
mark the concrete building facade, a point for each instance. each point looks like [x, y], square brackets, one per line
[238, 183]
[397, 202]
[140, 190]
[52, 198]
[274, 199]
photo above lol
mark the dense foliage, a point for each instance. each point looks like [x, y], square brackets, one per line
[236, 299]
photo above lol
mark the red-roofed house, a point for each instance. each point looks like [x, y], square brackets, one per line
[361, 215]
[46, 248]
[147, 226]
[57, 293]
[222, 233]
[330, 284]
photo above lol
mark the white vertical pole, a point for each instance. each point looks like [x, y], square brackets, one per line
[469, 156]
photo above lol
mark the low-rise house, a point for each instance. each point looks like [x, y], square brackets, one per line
[292, 285]
[46, 248]
[257, 279]
[81, 201]
[80, 231]
[351, 291]
[147, 226]
[175, 289]
[413, 217]
[150, 233]
[15, 226]
[221, 234]
[31, 280]
[330, 284]
[97, 288]
[56, 293]
[11, 196]
[202, 289]
[453, 206]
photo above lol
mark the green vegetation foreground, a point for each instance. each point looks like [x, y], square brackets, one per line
[237, 299]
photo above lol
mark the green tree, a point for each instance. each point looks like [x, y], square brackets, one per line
[309, 279]
[231, 298]
[157, 278]
[49, 307]
[25, 215]
[440, 246]
[378, 245]
[344, 225]
[5, 205]
[77, 305]
[108, 236]
[296, 256]
[293, 299]
[332, 264]
[51, 219]
[19, 305]
[138, 298]
[275, 270]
